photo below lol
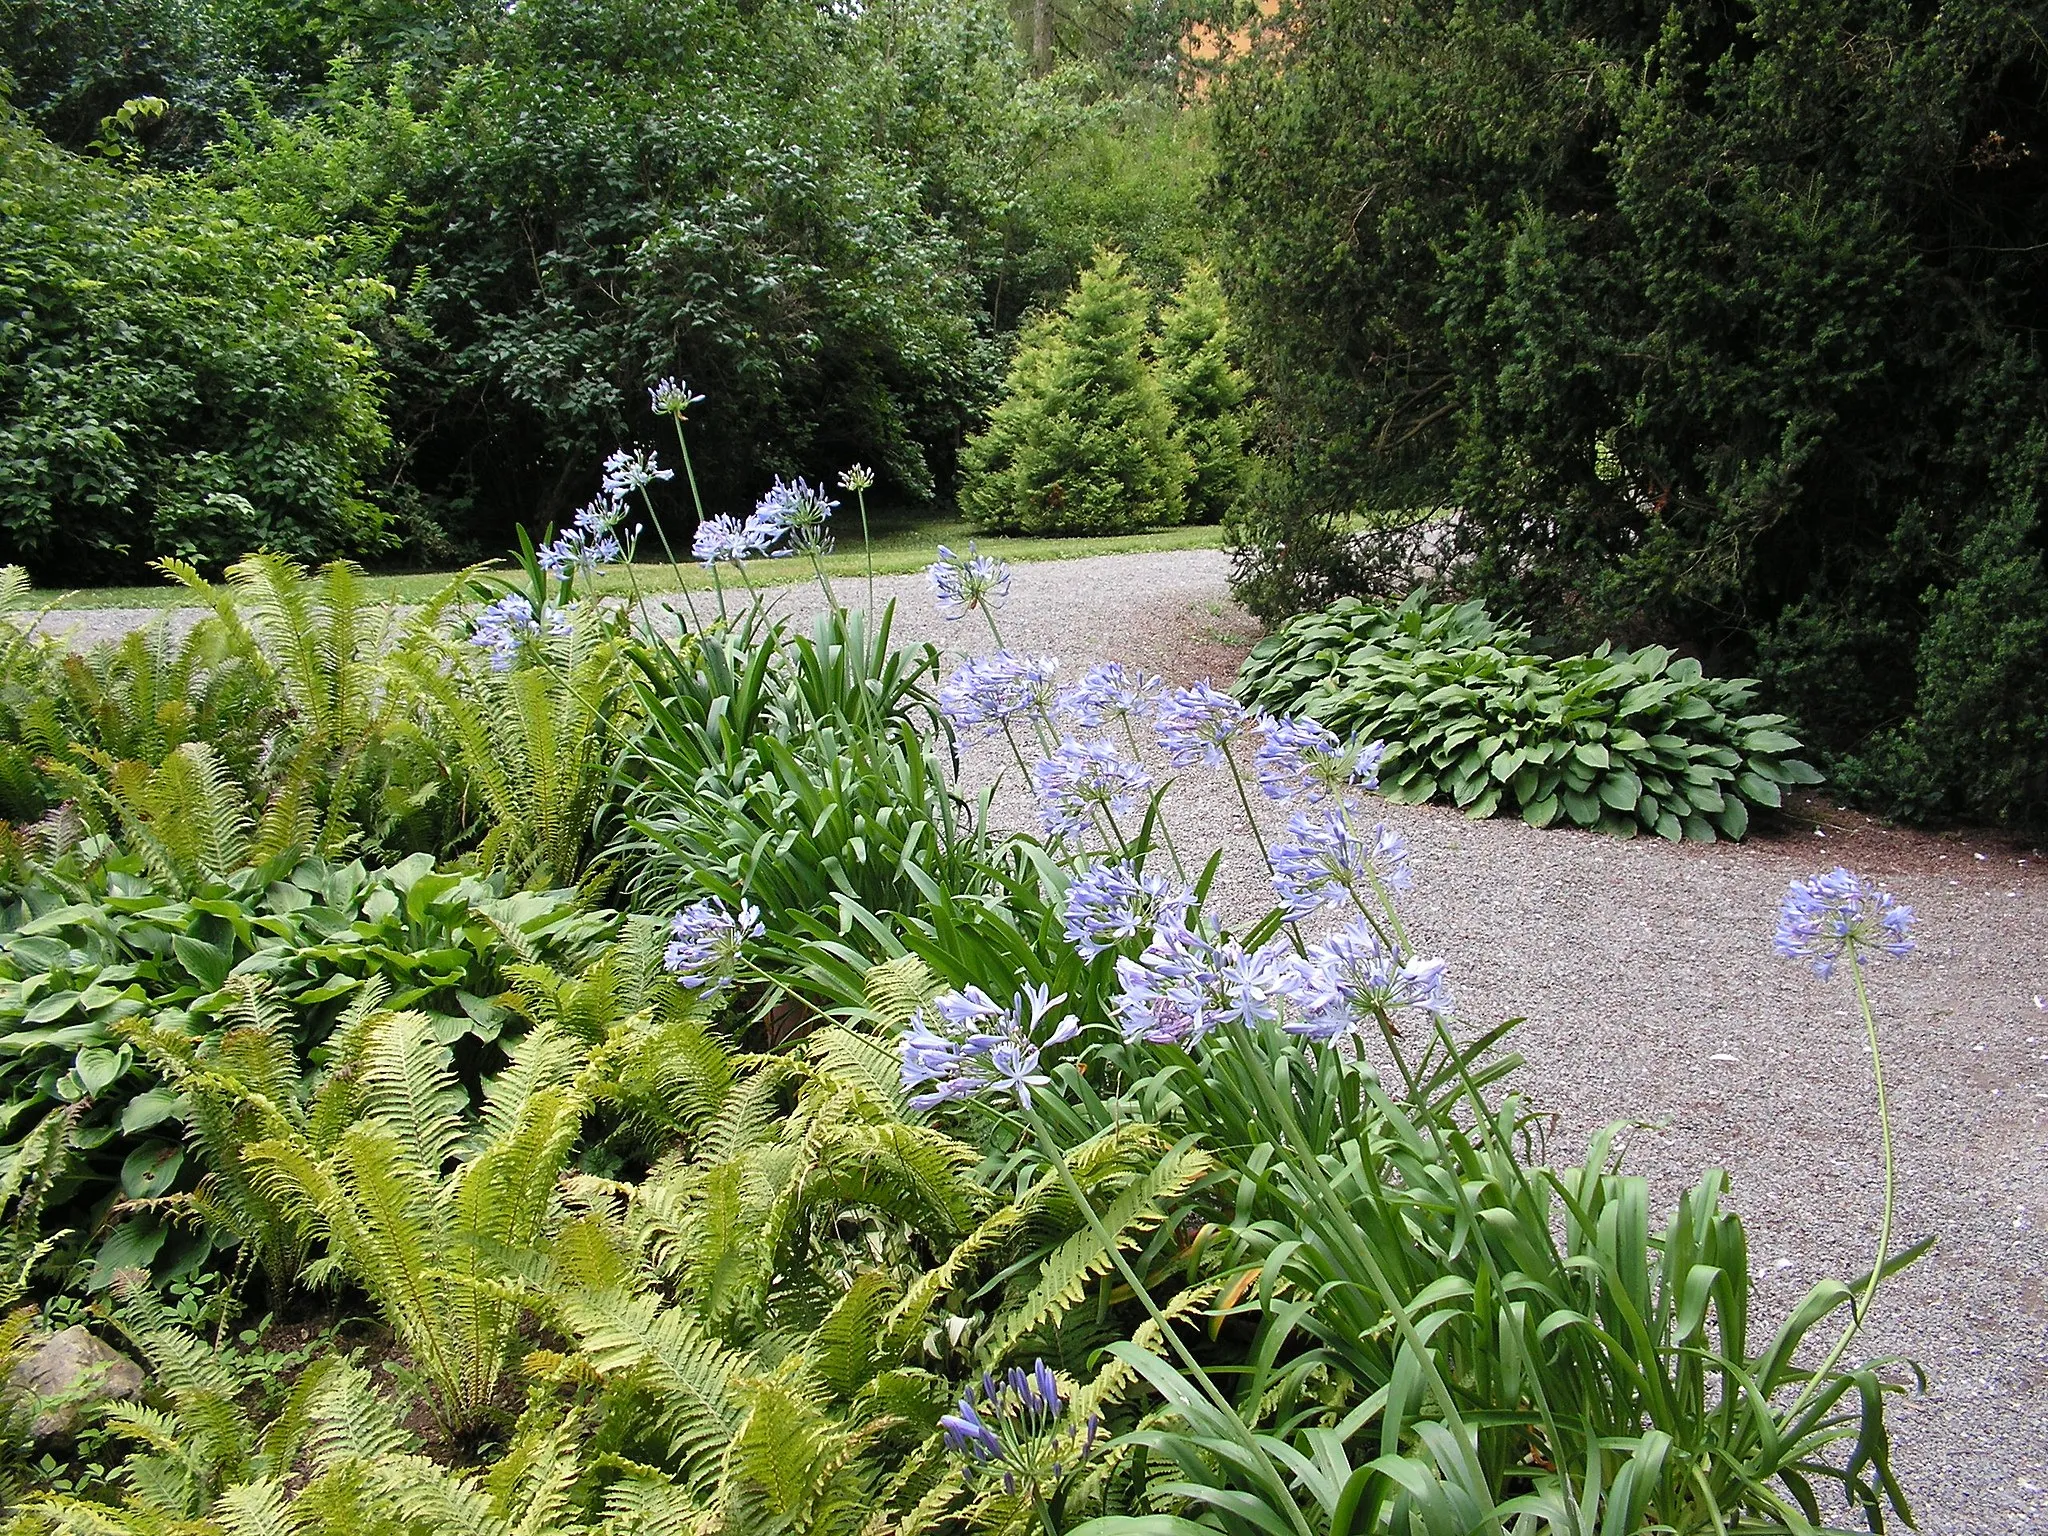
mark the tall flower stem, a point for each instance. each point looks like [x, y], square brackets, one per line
[1165, 831]
[654, 517]
[1252, 820]
[1860, 1306]
[867, 548]
[989, 614]
[1142, 1292]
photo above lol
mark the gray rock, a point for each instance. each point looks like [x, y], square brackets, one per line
[69, 1374]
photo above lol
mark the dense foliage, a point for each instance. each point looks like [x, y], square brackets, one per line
[1109, 423]
[178, 375]
[498, 222]
[1626, 742]
[881, 1168]
[1083, 440]
[1717, 323]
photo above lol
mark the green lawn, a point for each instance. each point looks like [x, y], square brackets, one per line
[901, 544]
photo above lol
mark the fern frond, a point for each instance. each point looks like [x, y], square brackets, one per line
[1067, 1272]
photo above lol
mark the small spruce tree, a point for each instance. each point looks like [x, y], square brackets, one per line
[1083, 439]
[1207, 394]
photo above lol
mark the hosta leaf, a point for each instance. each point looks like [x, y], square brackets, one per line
[1770, 741]
[1621, 789]
[1582, 808]
[1669, 827]
[1485, 805]
[1733, 819]
[1793, 771]
[1543, 812]
[1761, 790]
[1592, 754]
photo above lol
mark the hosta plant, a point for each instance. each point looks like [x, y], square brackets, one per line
[1621, 741]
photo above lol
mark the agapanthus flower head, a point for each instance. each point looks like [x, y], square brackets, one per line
[588, 543]
[963, 583]
[988, 692]
[729, 538]
[1185, 984]
[627, 471]
[672, 397]
[1197, 724]
[1081, 778]
[1302, 759]
[856, 478]
[1368, 979]
[965, 1045]
[1837, 914]
[1112, 903]
[706, 940]
[1109, 693]
[798, 511]
[1325, 858]
[1011, 1427]
[507, 627]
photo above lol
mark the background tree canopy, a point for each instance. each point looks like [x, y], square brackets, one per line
[1715, 322]
[830, 221]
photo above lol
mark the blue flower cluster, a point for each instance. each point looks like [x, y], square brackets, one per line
[1081, 778]
[706, 941]
[797, 511]
[962, 584]
[1113, 902]
[1326, 859]
[1197, 724]
[672, 397]
[1109, 695]
[589, 542]
[507, 627]
[1012, 1427]
[1837, 914]
[733, 539]
[991, 691]
[1300, 759]
[966, 1045]
[630, 470]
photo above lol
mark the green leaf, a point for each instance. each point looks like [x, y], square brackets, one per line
[1621, 789]
[151, 1169]
[1770, 741]
[1761, 790]
[1542, 813]
[98, 1068]
[1733, 819]
[1592, 754]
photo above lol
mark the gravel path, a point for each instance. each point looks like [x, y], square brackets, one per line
[1645, 975]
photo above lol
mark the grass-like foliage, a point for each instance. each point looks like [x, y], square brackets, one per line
[1622, 741]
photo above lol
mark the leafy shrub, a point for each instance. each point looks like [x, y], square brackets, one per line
[1775, 413]
[1083, 439]
[88, 955]
[1207, 393]
[1621, 741]
[180, 378]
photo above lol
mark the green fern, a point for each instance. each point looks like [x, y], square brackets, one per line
[536, 742]
[431, 1216]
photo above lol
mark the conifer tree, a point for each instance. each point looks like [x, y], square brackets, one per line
[1207, 394]
[1083, 439]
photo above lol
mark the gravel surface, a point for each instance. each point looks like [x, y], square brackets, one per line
[1645, 975]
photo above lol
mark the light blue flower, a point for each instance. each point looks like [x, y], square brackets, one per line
[672, 397]
[1837, 914]
[1111, 903]
[627, 471]
[1003, 686]
[965, 1045]
[1108, 695]
[1325, 859]
[1080, 778]
[1197, 723]
[1302, 759]
[706, 941]
[963, 583]
[1366, 977]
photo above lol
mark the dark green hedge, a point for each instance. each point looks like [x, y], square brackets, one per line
[1715, 323]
